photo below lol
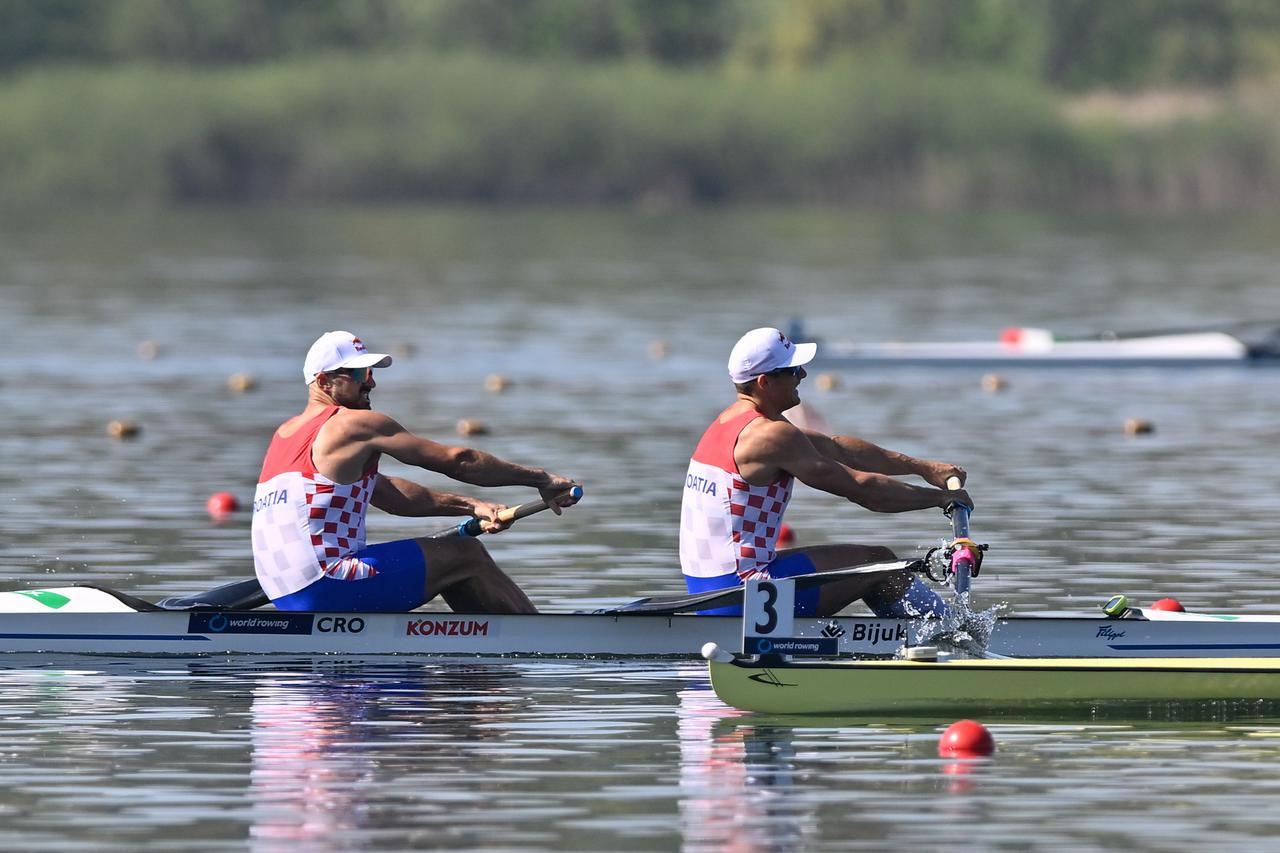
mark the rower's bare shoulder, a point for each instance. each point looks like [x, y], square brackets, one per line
[765, 435]
[362, 423]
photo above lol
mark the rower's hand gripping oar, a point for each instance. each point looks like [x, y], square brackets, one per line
[964, 554]
[472, 526]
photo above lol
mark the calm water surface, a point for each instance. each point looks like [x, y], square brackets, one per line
[407, 754]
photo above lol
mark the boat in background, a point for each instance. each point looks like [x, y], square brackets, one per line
[1232, 344]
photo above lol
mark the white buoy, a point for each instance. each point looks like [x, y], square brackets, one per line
[712, 651]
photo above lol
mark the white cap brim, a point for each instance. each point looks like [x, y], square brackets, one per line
[368, 359]
[804, 353]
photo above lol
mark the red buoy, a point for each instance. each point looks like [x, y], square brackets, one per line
[221, 504]
[966, 739]
[1169, 604]
[786, 536]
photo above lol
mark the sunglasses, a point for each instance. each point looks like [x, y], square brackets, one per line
[783, 371]
[355, 374]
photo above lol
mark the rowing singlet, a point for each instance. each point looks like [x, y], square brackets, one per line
[305, 525]
[728, 527]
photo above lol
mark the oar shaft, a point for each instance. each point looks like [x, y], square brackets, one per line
[471, 527]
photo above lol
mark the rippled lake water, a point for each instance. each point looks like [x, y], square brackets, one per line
[576, 309]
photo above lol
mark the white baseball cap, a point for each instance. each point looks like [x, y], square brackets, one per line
[335, 350]
[762, 350]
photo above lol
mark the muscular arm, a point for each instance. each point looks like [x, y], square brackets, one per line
[464, 464]
[345, 445]
[398, 496]
[854, 452]
[767, 447]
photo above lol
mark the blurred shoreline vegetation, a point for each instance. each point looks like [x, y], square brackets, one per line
[1145, 105]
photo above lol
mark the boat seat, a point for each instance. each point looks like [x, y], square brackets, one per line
[237, 595]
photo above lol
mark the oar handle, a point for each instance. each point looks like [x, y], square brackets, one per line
[962, 557]
[471, 527]
[959, 512]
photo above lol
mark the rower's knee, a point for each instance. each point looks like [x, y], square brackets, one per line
[448, 547]
[453, 557]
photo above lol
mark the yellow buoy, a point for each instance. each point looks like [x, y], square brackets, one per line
[496, 383]
[994, 382]
[241, 382]
[123, 429]
[827, 381]
[1138, 426]
[467, 426]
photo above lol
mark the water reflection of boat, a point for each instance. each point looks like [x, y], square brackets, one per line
[736, 781]
[324, 744]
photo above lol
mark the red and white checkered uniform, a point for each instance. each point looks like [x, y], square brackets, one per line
[304, 524]
[727, 525]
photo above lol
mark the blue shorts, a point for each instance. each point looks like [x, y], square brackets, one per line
[399, 584]
[784, 567]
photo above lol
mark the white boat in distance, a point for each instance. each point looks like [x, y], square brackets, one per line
[89, 620]
[1241, 344]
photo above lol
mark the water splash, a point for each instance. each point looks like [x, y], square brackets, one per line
[961, 629]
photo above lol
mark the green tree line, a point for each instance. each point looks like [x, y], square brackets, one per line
[920, 103]
[1069, 44]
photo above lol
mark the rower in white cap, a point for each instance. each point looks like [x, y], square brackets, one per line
[741, 476]
[321, 475]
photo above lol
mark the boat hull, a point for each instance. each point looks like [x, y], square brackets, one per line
[858, 687]
[588, 634]
[275, 632]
